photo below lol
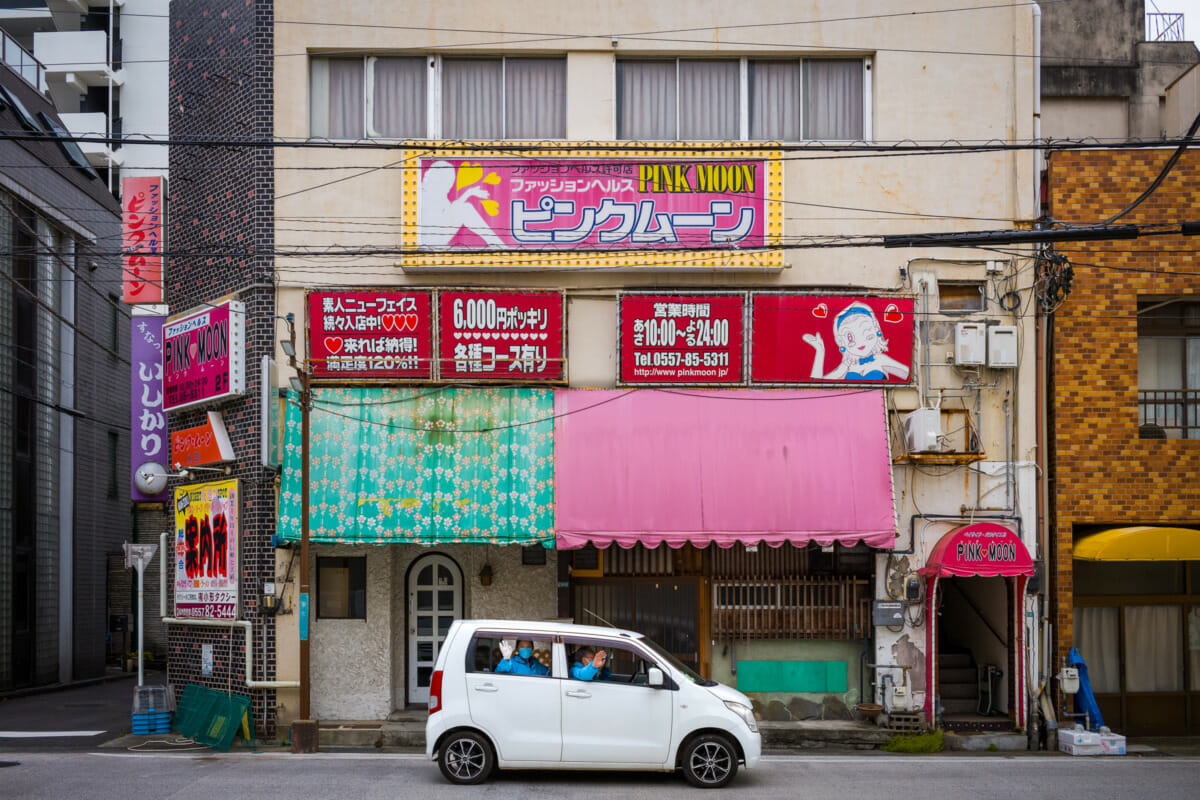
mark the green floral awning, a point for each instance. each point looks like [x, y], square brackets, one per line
[423, 465]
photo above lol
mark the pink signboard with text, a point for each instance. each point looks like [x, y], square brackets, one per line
[596, 203]
[682, 338]
[501, 336]
[142, 226]
[801, 338]
[371, 334]
[204, 355]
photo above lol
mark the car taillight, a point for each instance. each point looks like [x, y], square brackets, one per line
[435, 692]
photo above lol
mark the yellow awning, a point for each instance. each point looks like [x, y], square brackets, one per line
[1140, 543]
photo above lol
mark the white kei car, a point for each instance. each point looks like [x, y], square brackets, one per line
[644, 711]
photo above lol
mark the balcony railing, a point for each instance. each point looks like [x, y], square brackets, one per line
[819, 607]
[22, 62]
[1164, 28]
[1168, 414]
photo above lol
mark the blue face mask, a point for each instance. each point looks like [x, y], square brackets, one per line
[525, 652]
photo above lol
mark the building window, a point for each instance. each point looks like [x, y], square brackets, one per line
[742, 99]
[960, 296]
[1168, 368]
[114, 325]
[406, 97]
[114, 448]
[342, 588]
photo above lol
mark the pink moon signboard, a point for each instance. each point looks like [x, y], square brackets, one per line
[204, 355]
[596, 203]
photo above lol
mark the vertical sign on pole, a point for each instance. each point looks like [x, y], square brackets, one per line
[148, 422]
[142, 232]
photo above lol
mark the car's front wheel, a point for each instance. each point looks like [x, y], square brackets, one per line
[465, 758]
[710, 761]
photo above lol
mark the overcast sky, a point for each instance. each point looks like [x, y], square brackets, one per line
[1189, 8]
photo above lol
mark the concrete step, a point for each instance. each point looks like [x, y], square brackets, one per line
[985, 741]
[955, 661]
[958, 675]
[955, 705]
[959, 691]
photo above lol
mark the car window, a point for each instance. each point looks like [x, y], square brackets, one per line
[622, 664]
[486, 655]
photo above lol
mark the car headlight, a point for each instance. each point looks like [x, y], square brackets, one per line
[745, 713]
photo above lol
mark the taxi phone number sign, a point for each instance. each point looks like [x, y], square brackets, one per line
[501, 336]
[682, 338]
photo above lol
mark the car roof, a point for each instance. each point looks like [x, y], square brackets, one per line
[548, 627]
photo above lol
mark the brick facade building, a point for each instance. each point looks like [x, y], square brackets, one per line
[221, 234]
[1124, 364]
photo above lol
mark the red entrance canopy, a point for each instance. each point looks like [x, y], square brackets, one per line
[984, 549]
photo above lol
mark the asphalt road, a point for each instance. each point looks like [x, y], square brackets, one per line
[366, 776]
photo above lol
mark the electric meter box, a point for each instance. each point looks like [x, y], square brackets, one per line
[970, 344]
[1002, 346]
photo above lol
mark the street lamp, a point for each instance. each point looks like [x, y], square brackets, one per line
[304, 730]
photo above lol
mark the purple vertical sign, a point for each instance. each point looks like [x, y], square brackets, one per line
[149, 430]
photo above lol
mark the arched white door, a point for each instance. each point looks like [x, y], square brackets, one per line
[434, 602]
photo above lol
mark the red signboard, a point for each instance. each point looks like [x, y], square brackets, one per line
[682, 338]
[142, 239]
[501, 336]
[371, 334]
[844, 339]
[204, 444]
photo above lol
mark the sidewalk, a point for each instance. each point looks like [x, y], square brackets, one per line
[98, 715]
[81, 716]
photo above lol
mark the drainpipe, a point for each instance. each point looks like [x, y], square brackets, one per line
[244, 624]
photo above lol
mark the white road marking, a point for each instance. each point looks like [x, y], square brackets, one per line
[45, 734]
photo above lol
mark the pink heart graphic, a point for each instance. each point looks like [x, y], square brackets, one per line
[821, 311]
[193, 350]
[333, 344]
[892, 313]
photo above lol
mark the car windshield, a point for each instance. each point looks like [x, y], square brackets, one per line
[676, 663]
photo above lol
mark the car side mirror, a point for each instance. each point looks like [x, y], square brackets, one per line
[654, 676]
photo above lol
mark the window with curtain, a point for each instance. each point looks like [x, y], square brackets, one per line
[1098, 639]
[1168, 369]
[1153, 649]
[391, 97]
[732, 99]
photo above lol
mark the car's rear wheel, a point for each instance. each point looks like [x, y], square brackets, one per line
[710, 761]
[466, 758]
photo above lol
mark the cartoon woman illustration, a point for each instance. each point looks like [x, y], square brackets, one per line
[442, 218]
[864, 350]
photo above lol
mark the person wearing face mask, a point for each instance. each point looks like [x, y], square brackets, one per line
[523, 663]
[590, 664]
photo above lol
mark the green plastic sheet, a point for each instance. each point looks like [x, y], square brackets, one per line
[423, 465]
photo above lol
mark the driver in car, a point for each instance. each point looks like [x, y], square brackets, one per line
[590, 665]
[523, 663]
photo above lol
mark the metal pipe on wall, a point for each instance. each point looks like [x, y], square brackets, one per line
[245, 624]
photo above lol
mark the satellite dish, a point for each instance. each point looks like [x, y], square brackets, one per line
[150, 478]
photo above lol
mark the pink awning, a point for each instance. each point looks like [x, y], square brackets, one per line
[984, 549]
[680, 466]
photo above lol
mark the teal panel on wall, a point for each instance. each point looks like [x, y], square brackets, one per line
[791, 676]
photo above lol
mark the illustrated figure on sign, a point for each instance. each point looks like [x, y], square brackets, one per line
[441, 218]
[864, 350]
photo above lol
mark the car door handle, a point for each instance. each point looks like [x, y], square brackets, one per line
[486, 687]
[579, 693]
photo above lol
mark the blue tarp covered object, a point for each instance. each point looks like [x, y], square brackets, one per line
[1085, 700]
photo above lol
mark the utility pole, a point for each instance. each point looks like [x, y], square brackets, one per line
[304, 730]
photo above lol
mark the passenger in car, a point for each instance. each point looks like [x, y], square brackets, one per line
[589, 665]
[523, 663]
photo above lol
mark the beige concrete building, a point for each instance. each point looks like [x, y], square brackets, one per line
[687, 157]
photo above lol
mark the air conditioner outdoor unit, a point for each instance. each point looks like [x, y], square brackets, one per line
[923, 430]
